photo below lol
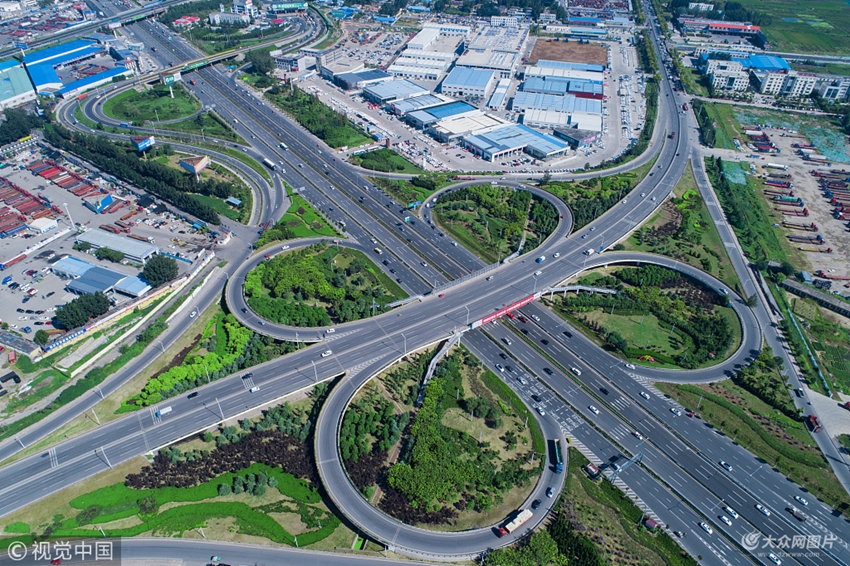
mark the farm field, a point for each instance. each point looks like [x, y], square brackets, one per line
[818, 26]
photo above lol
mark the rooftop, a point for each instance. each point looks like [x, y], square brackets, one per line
[14, 82]
[571, 65]
[516, 136]
[57, 51]
[419, 103]
[361, 76]
[451, 109]
[392, 90]
[95, 279]
[557, 103]
[93, 80]
[461, 77]
[71, 266]
[127, 246]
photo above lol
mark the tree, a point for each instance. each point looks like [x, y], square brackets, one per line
[41, 337]
[261, 62]
[112, 255]
[224, 489]
[159, 269]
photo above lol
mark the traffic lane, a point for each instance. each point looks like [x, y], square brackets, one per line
[657, 497]
[698, 482]
[709, 474]
[309, 175]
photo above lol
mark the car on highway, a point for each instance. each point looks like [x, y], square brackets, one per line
[726, 465]
[576, 371]
[540, 410]
[775, 559]
[550, 491]
[763, 510]
[544, 341]
[500, 368]
[248, 375]
[637, 435]
[326, 353]
[732, 512]
[536, 397]
[535, 504]
[593, 409]
[726, 520]
[801, 500]
[630, 366]
[192, 395]
[676, 411]
[547, 371]
[521, 379]
[704, 526]
[556, 255]
[254, 389]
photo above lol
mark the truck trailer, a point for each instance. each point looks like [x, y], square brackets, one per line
[520, 520]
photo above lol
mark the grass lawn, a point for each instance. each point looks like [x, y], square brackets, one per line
[490, 251]
[208, 125]
[247, 160]
[725, 124]
[844, 440]
[694, 81]
[683, 229]
[385, 160]
[154, 104]
[303, 219]
[821, 26]
[81, 118]
[828, 68]
[608, 517]
[221, 207]
[765, 432]
[218, 172]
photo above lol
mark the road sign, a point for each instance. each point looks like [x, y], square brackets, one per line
[20, 45]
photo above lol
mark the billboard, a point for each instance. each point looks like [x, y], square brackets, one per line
[502, 312]
[170, 79]
[20, 45]
[144, 143]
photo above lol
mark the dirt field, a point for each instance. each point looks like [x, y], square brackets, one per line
[568, 51]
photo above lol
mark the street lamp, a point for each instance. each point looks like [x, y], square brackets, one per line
[405, 343]
[467, 314]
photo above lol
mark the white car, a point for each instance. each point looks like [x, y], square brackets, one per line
[537, 273]
[726, 520]
[326, 353]
[676, 411]
[593, 409]
[630, 366]
[642, 195]
[556, 255]
[535, 317]
[500, 368]
[706, 528]
[726, 465]
[775, 559]
[637, 435]
[645, 395]
[732, 512]
[576, 371]
[192, 314]
[801, 500]
[763, 510]
[254, 389]
[541, 411]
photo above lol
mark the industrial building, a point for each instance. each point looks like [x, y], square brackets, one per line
[292, 63]
[428, 117]
[76, 87]
[430, 52]
[563, 72]
[578, 32]
[42, 225]
[470, 83]
[499, 96]
[512, 140]
[576, 138]
[558, 103]
[542, 118]
[495, 48]
[134, 250]
[405, 107]
[561, 85]
[361, 79]
[465, 124]
[723, 80]
[545, 63]
[719, 26]
[15, 86]
[834, 89]
[86, 278]
[788, 83]
[400, 89]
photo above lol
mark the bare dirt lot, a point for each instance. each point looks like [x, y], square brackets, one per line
[568, 51]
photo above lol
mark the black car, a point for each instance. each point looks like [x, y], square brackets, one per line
[603, 390]
[39, 311]
[385, 262]
[536, 398]
[29, 311]
[392, 270]
[524, 331]
[503, 356]
[19, 310]
[535, 504]
[192, 395]
[248, 375]
[544, 342]
[547, 371]
[568, 334]
[244, 310]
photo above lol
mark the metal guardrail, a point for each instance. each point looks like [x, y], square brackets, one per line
[401, 302]
[580, 288]
[433, 365]
[467, 277]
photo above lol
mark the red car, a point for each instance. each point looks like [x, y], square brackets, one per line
[55, 562]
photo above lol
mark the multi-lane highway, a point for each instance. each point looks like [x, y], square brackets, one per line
[680, 478]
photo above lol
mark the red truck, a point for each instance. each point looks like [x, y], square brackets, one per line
[846, 405]
[192, 82]
[685, 106]
[814, 423]
[672, 135]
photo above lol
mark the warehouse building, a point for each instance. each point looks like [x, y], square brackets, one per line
[389, 91]
[465, 124]
[499, 96]
[564, 73]
[15, 86]
[405, 107]
[430, 52]
[470, 83]
[41, 65]
[134, 250]
[577, 138]
[428, 117]
[542, 118]
[513, 140]
[558, 103]
[495, 48]
[545, 63]
[361, 79]
[561, 85]
[86, 278]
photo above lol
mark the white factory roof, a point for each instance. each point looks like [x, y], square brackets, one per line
[552, 119]
[469, 123]
[127, 246]
[559, 72]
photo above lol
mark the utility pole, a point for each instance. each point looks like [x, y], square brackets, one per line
[220, 410]
[315, 371]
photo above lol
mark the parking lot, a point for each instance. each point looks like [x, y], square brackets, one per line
[30, 285]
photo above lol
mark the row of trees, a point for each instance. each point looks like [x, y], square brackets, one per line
[79, 311]
[254, 484]
[112, 255]
[323, 122]
[374, 417]
[18, 124]
[122, 161]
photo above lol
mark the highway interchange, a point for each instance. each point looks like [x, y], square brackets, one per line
[679, 481]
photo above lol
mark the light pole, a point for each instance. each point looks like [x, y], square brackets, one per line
[405, 343]
[315, 371]
[757, 469]
[68, 210]
[467, 314]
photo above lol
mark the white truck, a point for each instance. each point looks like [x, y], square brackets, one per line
[163, 411]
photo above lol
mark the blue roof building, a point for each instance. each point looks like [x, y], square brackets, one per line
[514, 139]
[467, 81]
[44, 77]
[56, 52]
[570, 65]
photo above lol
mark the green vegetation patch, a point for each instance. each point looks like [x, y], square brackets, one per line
[17, 528]
[684, 230]
[418, 189]
[386, 160]
[206, 125]
[829, 341]
[318, 285]
[588, 199]
[153, 104]
[323, 122]
[300, 221]
[491, 220]
[658, 316]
